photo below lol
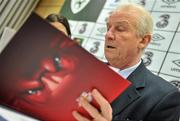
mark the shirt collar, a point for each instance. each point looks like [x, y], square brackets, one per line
[126, 72]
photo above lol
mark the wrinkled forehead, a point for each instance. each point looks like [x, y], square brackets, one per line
[121, 17]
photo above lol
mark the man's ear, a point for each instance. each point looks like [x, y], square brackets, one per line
[145, 41]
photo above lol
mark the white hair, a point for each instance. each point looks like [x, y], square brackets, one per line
[144, 21]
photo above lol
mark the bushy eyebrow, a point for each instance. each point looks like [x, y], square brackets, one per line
[123, 23]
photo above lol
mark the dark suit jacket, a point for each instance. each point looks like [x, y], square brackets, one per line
[149, 98]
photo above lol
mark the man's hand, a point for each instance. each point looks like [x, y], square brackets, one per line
[105, 113]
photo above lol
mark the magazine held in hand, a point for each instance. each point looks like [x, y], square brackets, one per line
[43, 73]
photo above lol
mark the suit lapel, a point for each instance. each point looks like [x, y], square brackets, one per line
[126, 98]
[137, 77]
[131, 94]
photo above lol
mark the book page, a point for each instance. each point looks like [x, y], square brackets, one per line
[9, 115]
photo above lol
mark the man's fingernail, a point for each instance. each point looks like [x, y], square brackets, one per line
[94, 91]
[74, 113]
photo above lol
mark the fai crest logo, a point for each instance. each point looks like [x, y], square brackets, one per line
[78, 5]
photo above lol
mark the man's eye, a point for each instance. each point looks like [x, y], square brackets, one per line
[57, 63]
[120, 28]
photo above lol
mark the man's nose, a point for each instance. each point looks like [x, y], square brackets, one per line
[109, 35]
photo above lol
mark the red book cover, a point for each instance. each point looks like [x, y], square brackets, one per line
[43, 73]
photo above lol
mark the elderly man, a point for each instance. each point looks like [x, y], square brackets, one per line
[149, 98]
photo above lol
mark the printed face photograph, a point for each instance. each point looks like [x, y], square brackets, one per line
[36, 78]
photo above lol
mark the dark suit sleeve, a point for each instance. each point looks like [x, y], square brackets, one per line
[167, 109]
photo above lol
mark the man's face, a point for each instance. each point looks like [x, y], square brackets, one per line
[121, 41]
